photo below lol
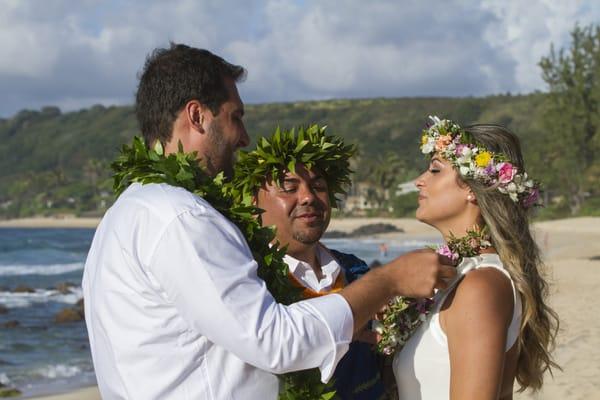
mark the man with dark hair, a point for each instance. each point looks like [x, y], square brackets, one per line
[299, 208]
[174, 77]
[174, 307]
[298, 204]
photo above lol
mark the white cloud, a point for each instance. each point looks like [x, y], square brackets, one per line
[76, 53]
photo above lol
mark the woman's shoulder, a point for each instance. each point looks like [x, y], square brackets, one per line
[483, 294]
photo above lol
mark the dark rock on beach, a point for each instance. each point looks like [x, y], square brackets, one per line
[6, 391]
[374, 229]
[365, 230]
[11, 324]
[64, 287]
[3, 309]
[70, 314]
[23, 289]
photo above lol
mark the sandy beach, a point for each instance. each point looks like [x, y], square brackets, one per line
[572, 253]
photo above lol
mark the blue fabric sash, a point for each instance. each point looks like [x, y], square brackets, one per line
[357, 374]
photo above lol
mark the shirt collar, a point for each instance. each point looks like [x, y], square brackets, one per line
[330, 269]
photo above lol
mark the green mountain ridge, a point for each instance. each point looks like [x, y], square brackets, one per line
[53, 162]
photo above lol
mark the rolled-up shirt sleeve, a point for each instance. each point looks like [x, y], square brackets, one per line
[203, 265]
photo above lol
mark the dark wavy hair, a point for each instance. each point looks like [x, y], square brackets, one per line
[172, 77]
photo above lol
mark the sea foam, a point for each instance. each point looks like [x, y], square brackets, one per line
[17, 300]
[58, 371]
[40, 269]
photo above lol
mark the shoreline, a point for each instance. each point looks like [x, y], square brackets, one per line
[86, 393]
[50, 222]
[346, 224]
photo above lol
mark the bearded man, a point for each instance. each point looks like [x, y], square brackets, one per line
[173, 304]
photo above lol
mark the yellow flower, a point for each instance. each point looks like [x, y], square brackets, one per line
[424, 139]
[483, 159]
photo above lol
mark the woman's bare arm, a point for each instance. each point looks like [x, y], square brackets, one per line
[476, 323]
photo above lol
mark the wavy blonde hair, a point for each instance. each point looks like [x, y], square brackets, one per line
[508, 224]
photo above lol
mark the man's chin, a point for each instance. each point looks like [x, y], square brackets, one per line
[309, 235]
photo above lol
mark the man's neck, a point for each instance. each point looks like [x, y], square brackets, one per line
[308, 254]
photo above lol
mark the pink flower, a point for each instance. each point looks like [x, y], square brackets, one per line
[506, 172]
[446, 252]
[459, 149]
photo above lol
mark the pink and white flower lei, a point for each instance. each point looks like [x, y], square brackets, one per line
[473, 161]
[402, 315]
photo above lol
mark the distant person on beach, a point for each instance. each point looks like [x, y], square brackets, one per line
[299, 206]
[492, 324]
[383, 250]
[173, 304]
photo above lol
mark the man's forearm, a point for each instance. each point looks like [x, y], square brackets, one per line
[367, 295]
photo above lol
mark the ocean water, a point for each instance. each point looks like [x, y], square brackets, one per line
[39, 356]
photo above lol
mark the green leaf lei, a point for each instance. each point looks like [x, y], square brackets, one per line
[138, 163]
[279, 153]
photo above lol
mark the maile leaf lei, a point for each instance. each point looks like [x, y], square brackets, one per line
[138, 163]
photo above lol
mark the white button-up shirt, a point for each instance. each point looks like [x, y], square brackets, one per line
[305, 274]
[175, 310]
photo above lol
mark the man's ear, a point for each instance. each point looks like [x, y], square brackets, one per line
[195, 113]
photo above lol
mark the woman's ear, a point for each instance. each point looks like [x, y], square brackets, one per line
[471, 197]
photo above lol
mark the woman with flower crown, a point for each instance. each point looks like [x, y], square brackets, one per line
[492, 324]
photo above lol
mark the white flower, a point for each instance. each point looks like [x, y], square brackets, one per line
[428, 147]
[464, 170]
[435, 119]
[377, 326]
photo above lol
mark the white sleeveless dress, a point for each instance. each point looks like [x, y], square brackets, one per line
[422, 368]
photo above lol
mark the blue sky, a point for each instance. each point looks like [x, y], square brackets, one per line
[74, 54]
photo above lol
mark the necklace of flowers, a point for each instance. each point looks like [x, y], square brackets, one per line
[403, 315]
[137, 163]
[473, 161]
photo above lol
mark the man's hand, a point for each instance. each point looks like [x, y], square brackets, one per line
[413, 274]
[417, 273]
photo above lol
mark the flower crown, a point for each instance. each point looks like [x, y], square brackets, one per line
[280, 152]
[473, 161]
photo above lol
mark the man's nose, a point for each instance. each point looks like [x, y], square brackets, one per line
[306, 195]
[244, 138]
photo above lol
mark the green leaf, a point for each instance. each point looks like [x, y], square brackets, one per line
[158, 148]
